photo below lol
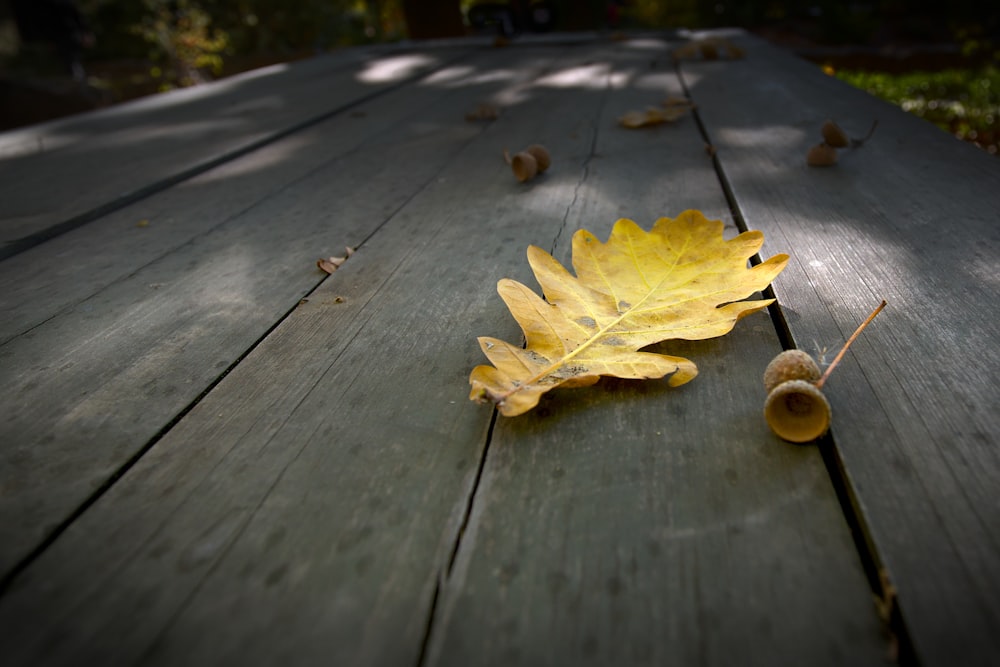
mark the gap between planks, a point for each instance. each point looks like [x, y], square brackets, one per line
[871, 563]
[24, 243]
[585, 172]
[62, 526]
[8, 578]
[443, 577]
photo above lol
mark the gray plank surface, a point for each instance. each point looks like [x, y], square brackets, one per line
[306, 509]
[911, 217]
[96, 370]
[58, 175]
[37, 284]
[382, 379]
[635, 524]
[686, 534]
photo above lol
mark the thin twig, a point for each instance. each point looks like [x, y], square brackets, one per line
[843, 350]
[857, 143]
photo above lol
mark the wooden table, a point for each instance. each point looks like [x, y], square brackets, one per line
[215, 454]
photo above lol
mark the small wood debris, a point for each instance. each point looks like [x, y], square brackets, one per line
[678, 101]
[885, 605]
[331, 264]
[483, 112]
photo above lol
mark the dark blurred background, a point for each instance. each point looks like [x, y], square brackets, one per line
[937, 59]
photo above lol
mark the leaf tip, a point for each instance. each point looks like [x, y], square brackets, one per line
[686, 371]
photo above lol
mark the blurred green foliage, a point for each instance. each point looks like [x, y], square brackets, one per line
[183, 43]
[965, 102]
[180, 42]
[187, 41]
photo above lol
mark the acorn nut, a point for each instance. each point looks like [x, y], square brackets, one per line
[834, 136]
[790, 365]
[821, 155]
[541, 155]
[524, 165]
[797, 411]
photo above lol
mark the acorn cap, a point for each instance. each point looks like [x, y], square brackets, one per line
[821, 155]
[790, 365]
[524, 166]
[797, 411]
[834, 135]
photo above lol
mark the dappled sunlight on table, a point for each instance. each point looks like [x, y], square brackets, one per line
[395, 68]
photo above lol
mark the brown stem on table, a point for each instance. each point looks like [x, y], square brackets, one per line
[857, 143]
[843, 350]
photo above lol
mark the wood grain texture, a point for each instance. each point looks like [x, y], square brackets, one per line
[630, 523]
[304, 509]
[911, 217]
[38, 284]
[644, 525]
[48, 178]
[92, 378]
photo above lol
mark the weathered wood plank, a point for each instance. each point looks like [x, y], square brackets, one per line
[685, 536]
[305, 509]
[48, 180]
[99, 377]
[911, 217]
[306, 505]
[38, 284]
[631, 523]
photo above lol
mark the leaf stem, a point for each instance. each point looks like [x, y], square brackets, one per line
[843, 350]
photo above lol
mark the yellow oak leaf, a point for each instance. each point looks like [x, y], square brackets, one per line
[709, 48]
[652, 116]
[680, 280]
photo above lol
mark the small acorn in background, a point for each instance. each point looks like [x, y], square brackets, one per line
[524, 165]
[834, 136]
[821, 155]
[541, 155]
[530, 162]
[796, 409]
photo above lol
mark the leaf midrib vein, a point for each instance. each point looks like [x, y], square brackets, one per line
[603, 330]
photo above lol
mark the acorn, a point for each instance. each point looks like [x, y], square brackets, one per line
[834, 136]
[797, 411]
[790, 365]
[541, 155]
[524, 165]
[821, 155]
